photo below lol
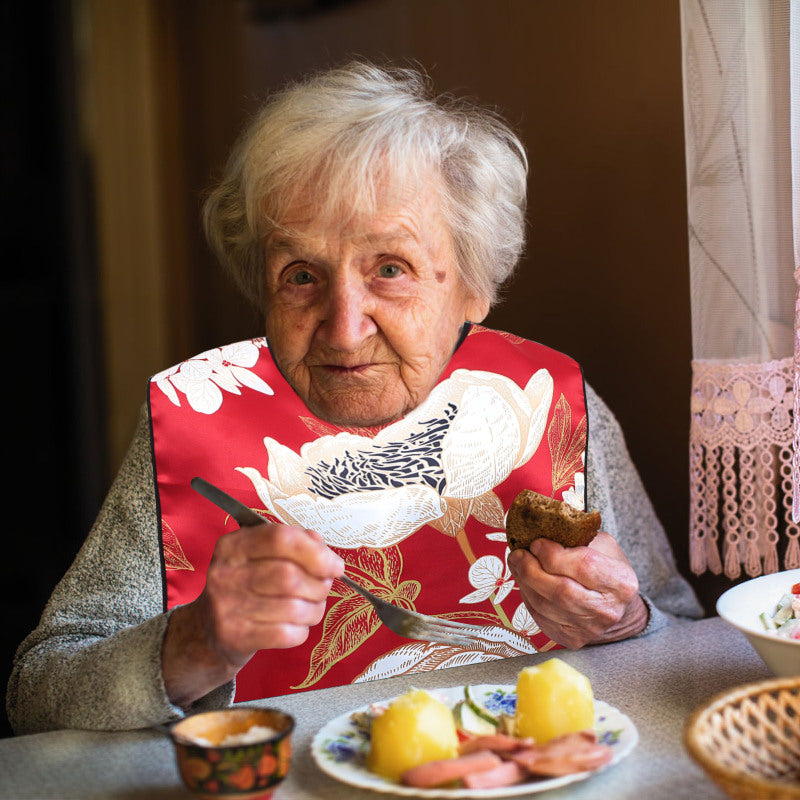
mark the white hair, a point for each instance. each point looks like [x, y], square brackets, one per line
[335, 135]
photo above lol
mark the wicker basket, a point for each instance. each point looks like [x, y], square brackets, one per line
[748, 740]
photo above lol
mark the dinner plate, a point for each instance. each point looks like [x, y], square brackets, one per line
[340, 747]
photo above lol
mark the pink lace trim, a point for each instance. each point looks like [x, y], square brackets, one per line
[740, 461]
[796, 439]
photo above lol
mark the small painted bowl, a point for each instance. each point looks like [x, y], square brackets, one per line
[248, 766]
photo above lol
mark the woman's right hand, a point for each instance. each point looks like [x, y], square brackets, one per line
[266, 586]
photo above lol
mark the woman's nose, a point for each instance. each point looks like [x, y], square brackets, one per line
[348, 321]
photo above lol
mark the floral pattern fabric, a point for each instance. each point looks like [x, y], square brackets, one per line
[416, 508]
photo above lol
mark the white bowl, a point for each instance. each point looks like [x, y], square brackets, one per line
[741, 605]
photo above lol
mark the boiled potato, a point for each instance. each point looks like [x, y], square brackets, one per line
[416, 728]
[553, 698]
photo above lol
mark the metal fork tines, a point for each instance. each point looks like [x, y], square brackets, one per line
[400, 620]
[414, 625]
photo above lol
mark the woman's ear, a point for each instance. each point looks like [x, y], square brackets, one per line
[477, 309]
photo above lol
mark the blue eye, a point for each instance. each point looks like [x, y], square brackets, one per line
[301, 277]
[389, 271]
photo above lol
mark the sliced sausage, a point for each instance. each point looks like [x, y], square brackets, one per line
[555, 766]
[506, 774]
[574, 752]
[435, 773]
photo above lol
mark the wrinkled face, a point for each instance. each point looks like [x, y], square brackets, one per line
[363, 315]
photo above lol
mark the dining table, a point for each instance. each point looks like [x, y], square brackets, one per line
[657, 680]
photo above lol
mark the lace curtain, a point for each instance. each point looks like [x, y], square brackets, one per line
[741, 73]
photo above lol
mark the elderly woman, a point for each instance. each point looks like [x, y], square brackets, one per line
[381, 430]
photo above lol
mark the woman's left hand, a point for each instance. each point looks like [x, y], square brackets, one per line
[580, 595]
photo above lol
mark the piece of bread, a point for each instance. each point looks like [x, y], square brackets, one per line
[533, 516]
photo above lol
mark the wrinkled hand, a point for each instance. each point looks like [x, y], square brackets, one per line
[580, 595]
[266, 585]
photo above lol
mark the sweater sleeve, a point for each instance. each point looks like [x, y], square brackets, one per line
[94, 661]
[616, 490]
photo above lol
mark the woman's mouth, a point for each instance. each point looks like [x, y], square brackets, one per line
[347, 369]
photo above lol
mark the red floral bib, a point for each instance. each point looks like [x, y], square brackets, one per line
[416, 508]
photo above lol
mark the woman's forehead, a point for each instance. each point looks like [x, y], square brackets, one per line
[399, 214]
[337, 194]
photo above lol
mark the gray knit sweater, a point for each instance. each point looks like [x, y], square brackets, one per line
[94, 661]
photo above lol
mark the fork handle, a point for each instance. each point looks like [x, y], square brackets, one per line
[244, 515]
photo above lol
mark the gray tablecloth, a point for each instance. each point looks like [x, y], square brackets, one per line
[657, 681]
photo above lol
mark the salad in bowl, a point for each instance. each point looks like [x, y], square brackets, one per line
[764, 609]
[784, 620]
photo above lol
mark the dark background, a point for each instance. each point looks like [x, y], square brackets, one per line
[54, 471]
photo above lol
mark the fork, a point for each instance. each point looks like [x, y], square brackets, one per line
[402, 621]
